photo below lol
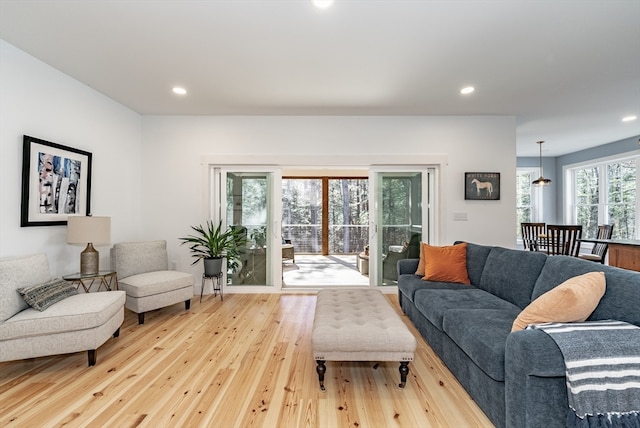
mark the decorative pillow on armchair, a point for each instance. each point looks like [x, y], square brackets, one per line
[445, 264]
[42, 296]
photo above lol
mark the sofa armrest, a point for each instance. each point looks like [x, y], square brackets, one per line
[535, 351]
[407, 266]
[535, 384]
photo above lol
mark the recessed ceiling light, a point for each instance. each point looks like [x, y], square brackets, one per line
[180, 91]
[629, 118]
[323, 4]
[467, 90]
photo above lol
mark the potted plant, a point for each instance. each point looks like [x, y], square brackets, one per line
[211, 244]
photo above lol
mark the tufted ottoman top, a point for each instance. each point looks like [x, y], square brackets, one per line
[359, 325]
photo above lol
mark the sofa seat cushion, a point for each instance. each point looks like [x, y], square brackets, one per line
[408, 284]
[78, 312]
[435, 303]
[152, 283]
[482, 336]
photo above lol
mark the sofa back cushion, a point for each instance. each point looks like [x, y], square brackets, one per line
[512, 274]
[622, 294]
[17, 273]
[132, 258]
[476, 259]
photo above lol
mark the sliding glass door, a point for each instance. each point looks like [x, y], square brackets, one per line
[399, 211]
[251, 201]
[399, 219]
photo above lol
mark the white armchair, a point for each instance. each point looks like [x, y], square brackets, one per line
[143, 272]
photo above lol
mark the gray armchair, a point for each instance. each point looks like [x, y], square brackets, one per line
[390, 262]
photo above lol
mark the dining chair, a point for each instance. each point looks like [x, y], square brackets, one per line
[599, 250]
[531, 234]
[563, 239]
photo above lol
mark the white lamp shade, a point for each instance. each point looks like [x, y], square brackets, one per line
[83, 230]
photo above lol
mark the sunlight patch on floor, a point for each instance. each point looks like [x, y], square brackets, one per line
[313, 270]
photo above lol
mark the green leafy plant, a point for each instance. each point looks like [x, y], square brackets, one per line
[211, 242]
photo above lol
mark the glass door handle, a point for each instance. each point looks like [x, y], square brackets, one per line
[373, 230]
[277, 233]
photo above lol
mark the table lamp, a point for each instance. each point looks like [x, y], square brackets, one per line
[89, 230]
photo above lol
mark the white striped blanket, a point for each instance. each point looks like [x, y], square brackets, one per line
[603, 371]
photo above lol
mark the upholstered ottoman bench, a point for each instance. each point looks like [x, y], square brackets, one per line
[359, 325]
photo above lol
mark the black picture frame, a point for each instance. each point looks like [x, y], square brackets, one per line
[56, 183]
[482, 186]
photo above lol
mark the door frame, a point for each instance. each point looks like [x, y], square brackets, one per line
[436, 162]
[218, 208]
[429, 214]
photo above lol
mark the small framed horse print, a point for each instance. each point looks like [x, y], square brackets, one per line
[482, 186]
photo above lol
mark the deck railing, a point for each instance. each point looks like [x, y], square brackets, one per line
[343, 239]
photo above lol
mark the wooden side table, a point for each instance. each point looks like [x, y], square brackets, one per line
[105, 278]
[363, 263]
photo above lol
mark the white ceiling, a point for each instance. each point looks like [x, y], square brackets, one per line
[568, 70]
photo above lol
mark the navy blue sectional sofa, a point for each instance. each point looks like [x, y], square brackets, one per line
[518, 379]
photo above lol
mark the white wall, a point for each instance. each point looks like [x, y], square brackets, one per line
[147, 172]
[173, 148]
[42, 102]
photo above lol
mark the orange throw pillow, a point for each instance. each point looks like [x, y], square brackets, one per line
[572, 301]
[445, 264]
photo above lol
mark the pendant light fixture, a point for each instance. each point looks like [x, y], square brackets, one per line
[541, 181]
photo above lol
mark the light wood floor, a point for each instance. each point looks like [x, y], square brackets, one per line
[244, 362]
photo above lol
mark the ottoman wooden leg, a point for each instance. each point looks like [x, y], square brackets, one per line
[404, 371]
[321, 369]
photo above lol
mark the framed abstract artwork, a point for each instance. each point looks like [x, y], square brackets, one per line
[482, 186]
[56, 183]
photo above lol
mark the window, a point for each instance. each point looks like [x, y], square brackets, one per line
[528, 201]
[605, 192]
[302, 213]
[348, 215]
[345, 229]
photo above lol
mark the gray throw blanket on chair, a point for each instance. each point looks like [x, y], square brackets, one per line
[603, 371]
